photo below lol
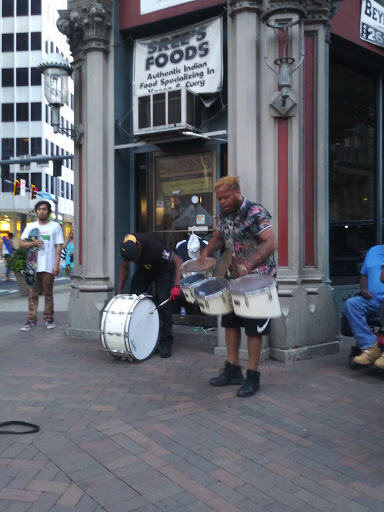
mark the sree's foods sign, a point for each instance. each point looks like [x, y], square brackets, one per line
[147, 6]
[191, 57]
[372, 22]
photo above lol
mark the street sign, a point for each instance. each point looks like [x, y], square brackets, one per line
[22, 187]
[45, 195]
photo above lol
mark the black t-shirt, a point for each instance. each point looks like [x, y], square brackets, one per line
[154, 257]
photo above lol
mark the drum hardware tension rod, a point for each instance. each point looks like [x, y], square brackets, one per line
[162, 304]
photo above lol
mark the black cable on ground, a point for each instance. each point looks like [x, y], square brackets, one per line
[32, 427]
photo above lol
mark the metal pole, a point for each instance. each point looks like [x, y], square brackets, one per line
[379, 164]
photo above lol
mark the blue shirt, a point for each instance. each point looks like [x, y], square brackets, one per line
[372, 266]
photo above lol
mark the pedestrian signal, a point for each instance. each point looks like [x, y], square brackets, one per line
[16, 188]
[33, 192]
[57, 168]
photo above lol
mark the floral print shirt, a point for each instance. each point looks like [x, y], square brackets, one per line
[241, 230]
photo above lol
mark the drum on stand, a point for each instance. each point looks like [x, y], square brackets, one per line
[255, 296]
[213, 296]
[188, 284]
[130, 327]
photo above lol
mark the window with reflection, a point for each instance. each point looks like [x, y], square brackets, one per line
[352, 171]
[184, 190]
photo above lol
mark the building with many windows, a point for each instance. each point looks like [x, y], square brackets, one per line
[28, 34]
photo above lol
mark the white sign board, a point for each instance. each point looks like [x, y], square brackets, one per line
[191, 57]
[147, 6]
[372, 22]
[22, 187]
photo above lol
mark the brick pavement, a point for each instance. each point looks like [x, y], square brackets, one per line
[154, 436]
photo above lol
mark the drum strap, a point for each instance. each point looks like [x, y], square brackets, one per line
[32, 428]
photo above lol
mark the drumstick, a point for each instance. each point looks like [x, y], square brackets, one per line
[162, 304]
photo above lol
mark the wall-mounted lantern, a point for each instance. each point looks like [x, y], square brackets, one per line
[56, 70]
[281, 18]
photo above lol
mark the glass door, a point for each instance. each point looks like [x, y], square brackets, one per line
[352, 170]
[183, 193]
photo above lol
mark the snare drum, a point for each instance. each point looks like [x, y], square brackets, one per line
[130, 327]
[188, 283]
[205, 266]
[213, 297]
[255, 296]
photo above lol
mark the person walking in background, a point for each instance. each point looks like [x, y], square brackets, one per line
[69, 246]
[48, 263]
[245, 228]
[155, 265]
[7, 249]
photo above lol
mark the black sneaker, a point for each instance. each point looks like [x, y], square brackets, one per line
[28, 326]
[251, 384]
[165, 350]
[231, 374]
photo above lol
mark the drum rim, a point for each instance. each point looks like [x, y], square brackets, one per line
[217, 293]
[192, 285]
[183, 267]
[213, 295]
[253, 292]
[191, 274]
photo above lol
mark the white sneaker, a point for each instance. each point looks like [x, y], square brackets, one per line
[28, 326]
[50, 325]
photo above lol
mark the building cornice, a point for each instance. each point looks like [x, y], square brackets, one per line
[239, 6]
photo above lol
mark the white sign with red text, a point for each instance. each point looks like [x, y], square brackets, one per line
[191, 58]
[147, 6]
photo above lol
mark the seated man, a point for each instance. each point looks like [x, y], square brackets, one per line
[356, 309]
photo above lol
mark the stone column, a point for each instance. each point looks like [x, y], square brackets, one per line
[309, 326]
[268, 150]
[87, 25]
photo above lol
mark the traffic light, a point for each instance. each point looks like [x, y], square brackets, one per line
[16, 188]
[33, 192]
[57, 168]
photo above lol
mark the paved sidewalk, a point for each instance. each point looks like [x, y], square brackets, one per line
[154, 436]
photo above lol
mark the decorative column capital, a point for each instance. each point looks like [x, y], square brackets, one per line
[320, 11]
[87, 25]
[239, 6]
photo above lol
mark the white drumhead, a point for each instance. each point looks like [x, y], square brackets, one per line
[143, 328]
[128, 330]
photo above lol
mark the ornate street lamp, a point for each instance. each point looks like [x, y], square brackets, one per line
[282, 16]
[56, 70]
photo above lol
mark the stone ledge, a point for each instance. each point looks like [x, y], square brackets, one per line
[308, 352]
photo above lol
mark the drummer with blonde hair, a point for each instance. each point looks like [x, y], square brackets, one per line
[245, 228]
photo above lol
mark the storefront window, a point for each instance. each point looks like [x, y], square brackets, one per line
[352, 171]
[184, 191]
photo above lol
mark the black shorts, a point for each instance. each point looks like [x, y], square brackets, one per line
[253, 326]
